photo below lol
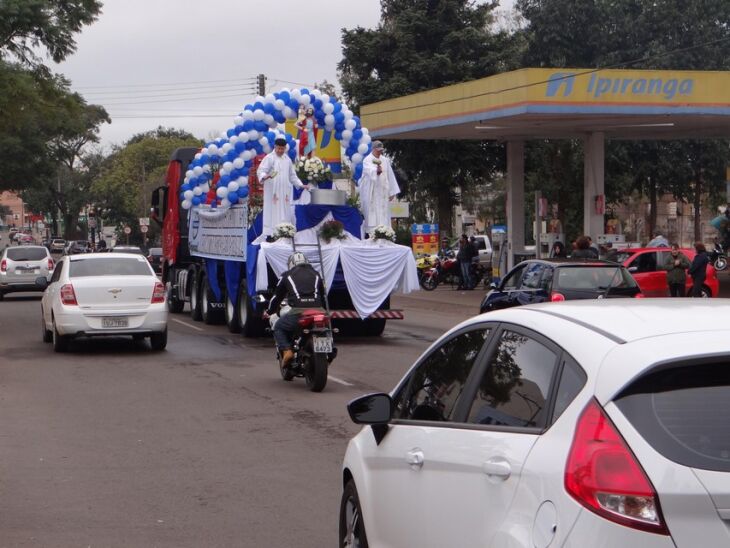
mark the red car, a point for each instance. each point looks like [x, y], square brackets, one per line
[645, 264]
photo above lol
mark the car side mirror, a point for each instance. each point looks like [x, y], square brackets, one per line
[371, 409]
[633, 269]
[41, 282]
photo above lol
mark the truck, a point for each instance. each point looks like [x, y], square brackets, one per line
[223, 289]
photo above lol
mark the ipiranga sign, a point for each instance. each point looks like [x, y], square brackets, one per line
[219, 234]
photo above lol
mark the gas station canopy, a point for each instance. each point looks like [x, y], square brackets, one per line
[562, 103]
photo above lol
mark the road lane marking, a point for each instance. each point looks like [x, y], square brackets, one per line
[339, 381]
[187, 324]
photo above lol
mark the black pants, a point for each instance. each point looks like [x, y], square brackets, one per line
[697, 286]
[676, 289]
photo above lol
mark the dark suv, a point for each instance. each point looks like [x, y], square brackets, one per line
[541, 280]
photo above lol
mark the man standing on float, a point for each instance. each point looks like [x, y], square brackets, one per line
[277, 174]
[377, 187]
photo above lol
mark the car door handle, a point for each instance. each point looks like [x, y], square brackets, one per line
[497, 468]
[415, 458]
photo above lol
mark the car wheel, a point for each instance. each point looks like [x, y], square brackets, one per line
[196, 312]
[60, 342]
[352, 526]
[47, 335]
[2, 295]
[158, 341]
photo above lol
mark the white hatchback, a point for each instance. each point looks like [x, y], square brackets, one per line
[583, 423]
[103, 294]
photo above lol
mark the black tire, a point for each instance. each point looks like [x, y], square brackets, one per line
[231, 314]
[374, 327]
[47, 335]
[196, 311]
[158, 341]
[352, 526]
[285, 372]
[705, 292]
[209, 313]
[315, 372]
[252, 325]
[720, 264]
[2, 296]
[174, 304]
[60, 342]
[429, 283]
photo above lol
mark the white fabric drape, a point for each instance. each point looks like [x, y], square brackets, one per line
[277, 255]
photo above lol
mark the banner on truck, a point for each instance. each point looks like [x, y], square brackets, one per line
[219, 234]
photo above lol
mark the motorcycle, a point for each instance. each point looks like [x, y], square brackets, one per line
[718, 258]
[424, 264]
[313, 348]
[444, 271]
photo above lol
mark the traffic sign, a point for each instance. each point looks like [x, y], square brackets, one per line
[144, 221]
[127, 230]
[144, 229]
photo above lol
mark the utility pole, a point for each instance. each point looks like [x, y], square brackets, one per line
[261, 82]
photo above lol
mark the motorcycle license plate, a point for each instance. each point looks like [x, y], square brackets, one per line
[322, 344]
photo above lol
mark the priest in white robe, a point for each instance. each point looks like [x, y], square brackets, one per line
[377, 188]
[276, 172]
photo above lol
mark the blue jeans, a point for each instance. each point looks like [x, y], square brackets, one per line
[465, 274]
[284, 330]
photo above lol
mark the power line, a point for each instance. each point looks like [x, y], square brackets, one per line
[146, 117]
[166, 84]
[181, 94]
[197, 88]
[203, 98]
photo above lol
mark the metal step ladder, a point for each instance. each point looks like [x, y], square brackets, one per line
[319, 261]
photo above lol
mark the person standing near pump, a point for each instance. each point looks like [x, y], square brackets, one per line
[377, 188]
[278, 175]
[464, 256]
[698, 269]
[676, 266]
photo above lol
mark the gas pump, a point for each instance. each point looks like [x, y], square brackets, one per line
[499, 251]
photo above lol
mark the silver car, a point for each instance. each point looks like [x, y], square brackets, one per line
[20, 266]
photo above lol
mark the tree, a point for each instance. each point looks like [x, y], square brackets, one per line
[420, 45]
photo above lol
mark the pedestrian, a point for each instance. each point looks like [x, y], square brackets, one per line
[658, 241]
[583, 249]
[558, 250]
[377, 187]
[676, 266]
[611, 253]
[464, 256]
[698, 269]
[594, 246]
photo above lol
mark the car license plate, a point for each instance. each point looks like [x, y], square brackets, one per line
[322, 344]
[115, 322]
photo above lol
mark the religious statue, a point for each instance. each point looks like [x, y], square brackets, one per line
[307, 131]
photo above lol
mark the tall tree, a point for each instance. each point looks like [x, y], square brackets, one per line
[420, 45]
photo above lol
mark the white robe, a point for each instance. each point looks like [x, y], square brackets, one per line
[376, 191]
[278, 193]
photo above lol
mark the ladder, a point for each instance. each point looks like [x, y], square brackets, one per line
[319, 261]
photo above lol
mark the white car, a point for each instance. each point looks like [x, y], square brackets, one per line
[582, 423]
[98, 294]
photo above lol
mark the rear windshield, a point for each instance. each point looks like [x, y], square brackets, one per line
[683, 412]
[593, 277]
[27, 253]
[110, 266]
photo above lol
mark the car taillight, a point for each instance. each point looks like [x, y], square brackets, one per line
[158, 294]
[603, 475]
[3, 266]
[639, 295]
[556, 297]
[68, 296]
[50, 264]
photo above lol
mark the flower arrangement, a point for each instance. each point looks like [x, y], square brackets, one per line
[382, 232]
[284, 230]
[313, 170]
[332, 229]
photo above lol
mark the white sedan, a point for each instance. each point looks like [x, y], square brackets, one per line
[103, 294]
[583, 423]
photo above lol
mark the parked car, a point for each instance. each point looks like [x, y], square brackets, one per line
[25, 239]
[484, 246]
[540, 280]
[645, 263]
[20, 266]
[127, 249]
[99, 294]
[155, 257]
[57, 245]
[74, 247]
[551, 426]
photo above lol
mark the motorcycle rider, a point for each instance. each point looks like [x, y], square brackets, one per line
[304, 289]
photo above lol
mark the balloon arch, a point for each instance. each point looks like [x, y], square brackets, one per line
[254, 132]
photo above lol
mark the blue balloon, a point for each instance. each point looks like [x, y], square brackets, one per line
[304, 91]
[269, 108]
[338, 134]
[318, 104]
[258, 105]
[271, 136]
[231, 155]
[260, 126]
[196, 200]
[279, 117]
[248, 125]
[338, 107]
[185, 187]
[238, 129]
[205, 159]
[358, 172]
[294, 105]
[232, 197]
[284, 96]
[214, 204]
[235, 174]
[231, 132]
[239, 147]
[357, 121]
[248, 107]
[242, 192]
[224, 180]
[220, 142]
[245, 171]
[357, 135]
[258, 148]
[339, 117]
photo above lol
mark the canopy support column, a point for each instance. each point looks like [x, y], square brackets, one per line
[593, 184]
[515, 200]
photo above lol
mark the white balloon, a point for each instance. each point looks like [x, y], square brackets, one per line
[317, 94]
[238, 163]
[212, 149]
[253, 135]
[224, 135]
[258, 114]
[225, 202]
[188, 194]
[267, 148]
[259, 99]
[365, 138]
[270, 98]
[205, 188]
[228, 166]
[243, 136]
[198, 170]
[188, 174]
[305, 100]
[233, 140]
[264, 141]
[238, 120]
[268, 119]
[279, 104]
[328, 108]
[197, 191]
[226, 148]
[362, 148]
[247, 115]
[198, 155]
[356, 158]
[247, 155]
[296, 94]
[233, 186]
[242, 181]
[346, 135]
[350, 124]
[206, 168]
[221, 191]
[325, 98]
[187, 204]
[348, 115]
[289, 113]
[329, 120]
[365, 131]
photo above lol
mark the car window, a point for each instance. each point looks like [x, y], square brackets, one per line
[572, 381]
[516, 384]
[512, 280]
[593, 277]
[531, 278]
[646, 262]
[480, 244]
[27, 253]
[110, 266]
[57, 272]
[546, 281]
[434, 386]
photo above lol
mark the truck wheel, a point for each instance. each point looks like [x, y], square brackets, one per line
[251, 323]
[231, 312]
[210, 313]
[174, 305]
[196, 311]
[374, 328]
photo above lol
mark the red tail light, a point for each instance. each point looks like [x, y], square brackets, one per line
[305, 321]
[50, 264]
[556, 297]
[68, 296]
[639, 296]
[158, 294]
[320, 320]
[604, 476]
[3, 265]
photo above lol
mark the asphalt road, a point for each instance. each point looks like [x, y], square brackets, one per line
[112, 444]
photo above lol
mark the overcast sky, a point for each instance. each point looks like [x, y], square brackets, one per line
[192, 65]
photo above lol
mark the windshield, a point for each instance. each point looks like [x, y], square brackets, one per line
[594, 277]
[27, 253]
[621, 256]
[110, 266]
